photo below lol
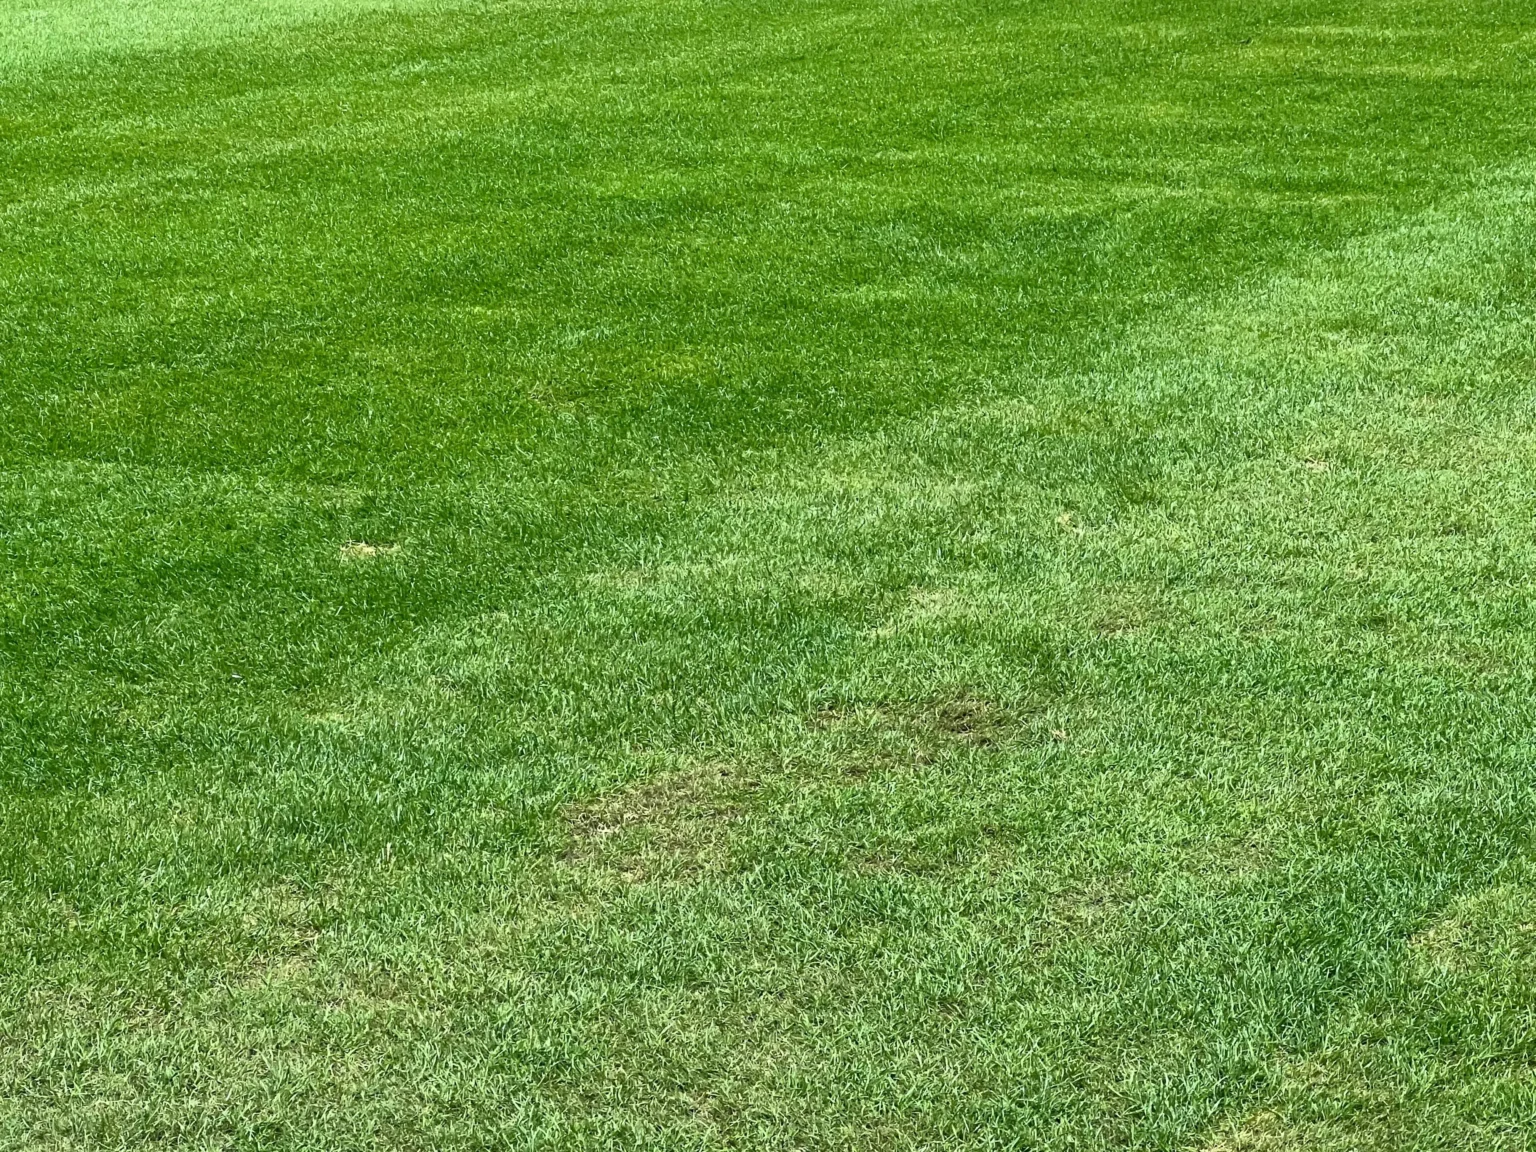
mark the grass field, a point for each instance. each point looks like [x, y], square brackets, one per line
[818, 575]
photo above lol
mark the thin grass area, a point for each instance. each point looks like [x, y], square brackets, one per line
[662, 575]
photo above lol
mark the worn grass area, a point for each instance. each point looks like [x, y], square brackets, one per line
[822, 575]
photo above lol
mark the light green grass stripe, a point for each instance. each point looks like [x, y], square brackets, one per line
[55, 32]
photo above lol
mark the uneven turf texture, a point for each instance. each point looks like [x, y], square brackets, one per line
[813, 575]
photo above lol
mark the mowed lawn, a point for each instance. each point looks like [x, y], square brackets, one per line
[830, 574]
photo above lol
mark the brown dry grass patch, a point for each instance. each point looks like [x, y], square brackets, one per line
[676, 826]
[890, 731]
[354, 550]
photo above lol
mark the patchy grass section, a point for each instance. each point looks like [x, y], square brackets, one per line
[703, 576]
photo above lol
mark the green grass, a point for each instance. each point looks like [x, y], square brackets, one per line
[826, 575]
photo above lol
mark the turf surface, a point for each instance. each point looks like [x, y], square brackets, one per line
[645, 573]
